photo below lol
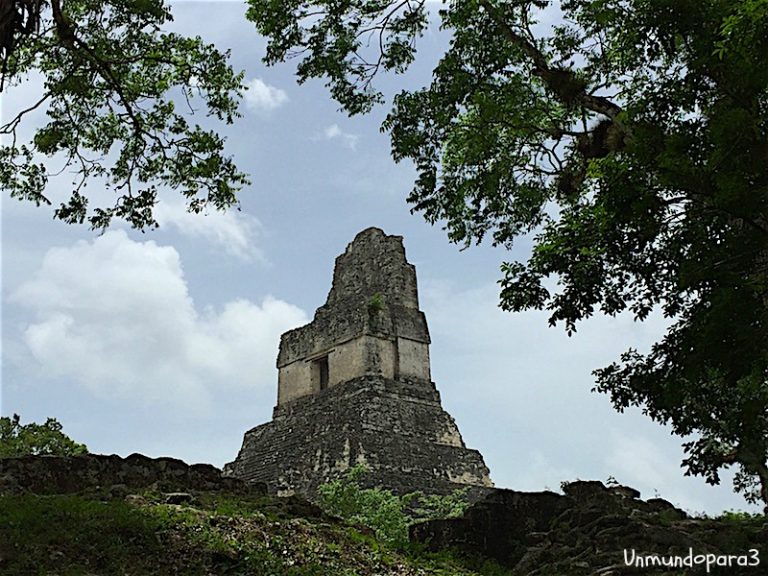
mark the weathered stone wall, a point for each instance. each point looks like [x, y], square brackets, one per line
[412, 359]
[331, 330]
[294, 380]
[585, 531]
[374, 263]
[365, 355]
[396, 427]
[374, 296]
[86, 472]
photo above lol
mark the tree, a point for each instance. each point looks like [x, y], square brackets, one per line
[18, 439]
[631, 142]
[111, 80]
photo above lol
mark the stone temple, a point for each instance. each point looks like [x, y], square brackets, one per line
[354, 386]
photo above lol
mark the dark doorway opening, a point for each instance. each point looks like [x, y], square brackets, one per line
[321, 367]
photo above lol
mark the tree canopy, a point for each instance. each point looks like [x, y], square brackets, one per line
[630, 141]
[17, 439]
[112, 78]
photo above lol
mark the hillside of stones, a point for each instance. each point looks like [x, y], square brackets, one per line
[583, 531]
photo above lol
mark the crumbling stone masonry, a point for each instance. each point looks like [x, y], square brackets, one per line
[354, 386]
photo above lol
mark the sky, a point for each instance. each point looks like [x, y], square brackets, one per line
[165, 342]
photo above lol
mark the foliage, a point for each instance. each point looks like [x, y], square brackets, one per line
[77, 535]
[376, 304]
[435, 507]
[375, 508]
[18, 439]
[39, 531]
[387, 514]
[112, 79]
[630, 142]
[741, 516]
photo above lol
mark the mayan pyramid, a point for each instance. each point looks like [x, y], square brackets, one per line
[354, 386]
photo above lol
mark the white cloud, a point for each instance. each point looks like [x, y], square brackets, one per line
[333, 132]
[230, 229]
[262, 97]
[115, 316]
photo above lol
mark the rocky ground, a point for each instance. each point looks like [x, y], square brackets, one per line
[104, 515]
[108, 516]
[596, 530]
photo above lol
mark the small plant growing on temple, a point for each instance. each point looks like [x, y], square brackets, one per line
[375, 304]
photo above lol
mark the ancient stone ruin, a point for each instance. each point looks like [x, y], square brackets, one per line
[597, 530]
[112, 474]
[354, 386]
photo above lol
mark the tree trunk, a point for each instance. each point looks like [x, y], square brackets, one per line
[762, 473]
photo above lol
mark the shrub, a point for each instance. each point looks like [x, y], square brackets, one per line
[740, 516]
[387, 514]
[434, 507]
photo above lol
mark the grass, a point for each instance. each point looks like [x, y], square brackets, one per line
[48, 534]
[229, 535]
[219, 534]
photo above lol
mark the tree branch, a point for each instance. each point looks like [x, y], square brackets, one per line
[552, 77]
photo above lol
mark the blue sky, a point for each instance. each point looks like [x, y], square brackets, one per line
[165, 342]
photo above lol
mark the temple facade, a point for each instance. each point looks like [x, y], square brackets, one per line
[354, 386]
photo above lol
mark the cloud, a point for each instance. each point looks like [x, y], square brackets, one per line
[234, 231]
[333, 132]
[262, 97]
[115, 316]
